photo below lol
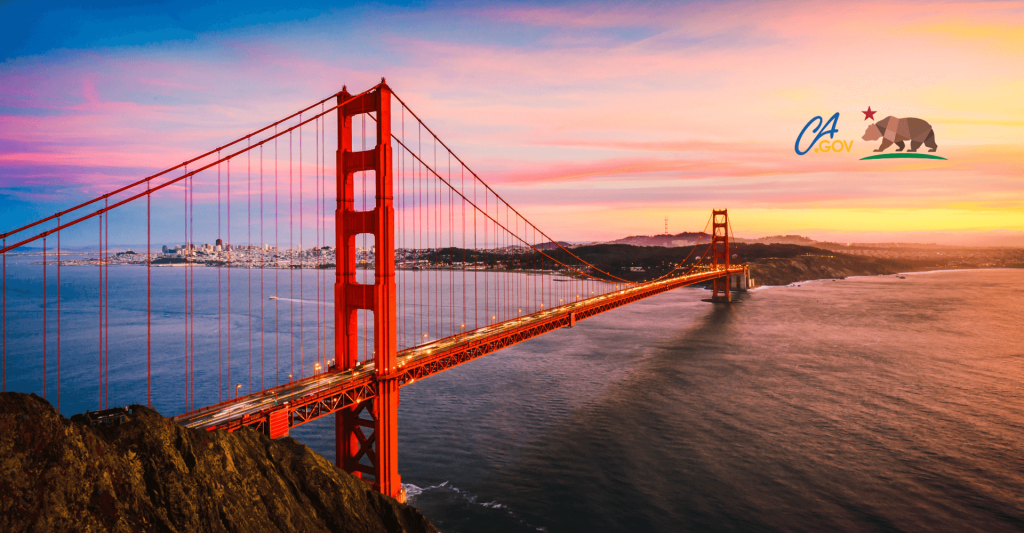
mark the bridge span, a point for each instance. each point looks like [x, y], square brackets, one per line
[401, 192]
[276, 410]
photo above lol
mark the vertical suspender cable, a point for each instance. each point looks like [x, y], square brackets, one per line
[99, 307]
[149, 297]
[417, 244]
[316, 220]
[248, 270]
[322, 219]
[220, 261]
[45, 305]
[463, 204]
[191, 293]
[229, 250]
[58, 315]
[487, 277]
[106, 308]
[277, 293]
[366, 316]
[476, 267]
[187, 259]
[439, 240]
[302, 273]
[323, 231]
[405, 286]
[3, 341]
[106, 311]
[291, 260]
[263, 260]
[451, 246]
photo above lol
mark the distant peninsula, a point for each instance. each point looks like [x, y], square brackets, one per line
[770, 264]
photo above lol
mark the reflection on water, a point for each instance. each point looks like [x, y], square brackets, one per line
[869, 404]
[858, 405]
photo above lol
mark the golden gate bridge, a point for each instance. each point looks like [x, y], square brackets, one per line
[454, 272]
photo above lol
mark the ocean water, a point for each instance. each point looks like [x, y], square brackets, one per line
[866, 404]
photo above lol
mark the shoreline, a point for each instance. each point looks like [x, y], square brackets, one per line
[907, 273]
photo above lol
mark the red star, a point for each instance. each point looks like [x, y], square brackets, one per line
[869, 114]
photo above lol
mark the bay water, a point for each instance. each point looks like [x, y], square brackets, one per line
[866, 404]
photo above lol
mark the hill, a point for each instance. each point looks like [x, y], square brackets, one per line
[781, 239]
[666, 240]
[551, 245]
[771, 264]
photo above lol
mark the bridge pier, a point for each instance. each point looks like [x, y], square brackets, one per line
[366, 435]
[740, 282]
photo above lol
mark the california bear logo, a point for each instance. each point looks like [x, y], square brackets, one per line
[897, 130]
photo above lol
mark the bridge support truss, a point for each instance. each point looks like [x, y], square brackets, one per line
[720, 254]
[367, 433]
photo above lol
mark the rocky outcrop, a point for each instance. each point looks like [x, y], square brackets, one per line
[783, 271]
[150, 474]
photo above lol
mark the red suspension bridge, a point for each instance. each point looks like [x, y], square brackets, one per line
[431, 268]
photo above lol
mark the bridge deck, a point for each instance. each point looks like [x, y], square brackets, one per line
[275, 410]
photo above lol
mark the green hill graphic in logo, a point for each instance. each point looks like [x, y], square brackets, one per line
[903, 155]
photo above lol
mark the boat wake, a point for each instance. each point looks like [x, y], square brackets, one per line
[279, 299]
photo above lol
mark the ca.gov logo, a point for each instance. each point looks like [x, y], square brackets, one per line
[891, 130]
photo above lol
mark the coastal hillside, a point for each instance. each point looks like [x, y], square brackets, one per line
[771, 264]
[150, 474]
[783, 271]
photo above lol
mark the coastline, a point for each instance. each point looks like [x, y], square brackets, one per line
[905, 273]
[786, 271]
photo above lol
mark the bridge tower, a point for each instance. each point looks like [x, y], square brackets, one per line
[720, 254]
[366, 435]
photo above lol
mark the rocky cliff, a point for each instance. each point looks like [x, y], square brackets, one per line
[149, 474]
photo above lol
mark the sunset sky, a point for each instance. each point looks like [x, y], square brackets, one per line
[596, 120]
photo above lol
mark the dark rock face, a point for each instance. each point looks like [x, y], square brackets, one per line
[149, 474]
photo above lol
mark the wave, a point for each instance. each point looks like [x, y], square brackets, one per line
[799, 283]
[413, 491]
[952, 270]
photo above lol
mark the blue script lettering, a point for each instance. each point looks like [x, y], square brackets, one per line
[825, 130]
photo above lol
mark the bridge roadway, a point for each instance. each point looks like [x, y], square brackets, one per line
[274, 411]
